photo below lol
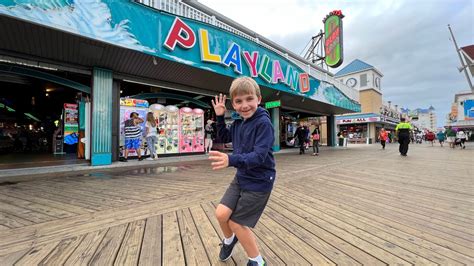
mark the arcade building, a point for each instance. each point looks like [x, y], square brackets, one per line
[71, 73]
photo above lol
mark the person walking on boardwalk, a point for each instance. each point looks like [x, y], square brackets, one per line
[451, 136]
[383, 136]
[403, 132]
[316, 136]
[301, 134]
[246, 197]
[441, 137]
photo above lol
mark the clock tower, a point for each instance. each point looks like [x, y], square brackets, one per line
[367, 80]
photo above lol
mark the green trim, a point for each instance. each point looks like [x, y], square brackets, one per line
[44, 76]
[165, 95]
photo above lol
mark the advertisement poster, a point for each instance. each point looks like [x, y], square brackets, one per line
[71, 125]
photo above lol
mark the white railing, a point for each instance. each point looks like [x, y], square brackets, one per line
[182, 9]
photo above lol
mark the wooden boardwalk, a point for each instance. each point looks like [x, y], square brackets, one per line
[360, 205]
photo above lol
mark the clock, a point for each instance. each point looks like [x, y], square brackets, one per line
[377, 82]
[352, 82]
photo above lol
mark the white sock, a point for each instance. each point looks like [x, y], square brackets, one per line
[229, 240]
[258, 259]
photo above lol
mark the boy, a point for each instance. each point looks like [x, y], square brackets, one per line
[133, 135]
[252, 139]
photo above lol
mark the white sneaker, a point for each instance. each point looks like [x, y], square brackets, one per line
[149, 159]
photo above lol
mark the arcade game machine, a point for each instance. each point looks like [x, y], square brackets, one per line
[186, 127]
[198, 140]
[127, 106]
[160, 114]
[172, 129]
[71, 127]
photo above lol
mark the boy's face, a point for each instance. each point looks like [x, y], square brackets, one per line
[246, 104]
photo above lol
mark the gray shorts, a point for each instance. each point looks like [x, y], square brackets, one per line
[247, 206]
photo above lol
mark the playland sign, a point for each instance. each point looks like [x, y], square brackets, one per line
[259, 65]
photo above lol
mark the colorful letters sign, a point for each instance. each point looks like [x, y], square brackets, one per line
[333, 38]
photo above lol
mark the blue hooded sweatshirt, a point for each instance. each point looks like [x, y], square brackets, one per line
[252, 140]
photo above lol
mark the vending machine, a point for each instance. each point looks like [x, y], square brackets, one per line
[186, 126]
[160, 114]
[127, 106]
[172, 129]
[198, 140]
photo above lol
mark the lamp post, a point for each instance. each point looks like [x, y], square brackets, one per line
[460, 58]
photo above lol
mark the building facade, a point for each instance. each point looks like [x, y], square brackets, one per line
[170, 53]
[363, 127]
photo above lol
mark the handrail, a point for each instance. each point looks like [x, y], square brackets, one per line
[179, 8]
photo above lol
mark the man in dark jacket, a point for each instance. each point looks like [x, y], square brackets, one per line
[302, 135]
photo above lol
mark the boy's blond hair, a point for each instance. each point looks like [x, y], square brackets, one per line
[243, 86]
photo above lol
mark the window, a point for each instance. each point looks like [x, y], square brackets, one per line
[363, 80]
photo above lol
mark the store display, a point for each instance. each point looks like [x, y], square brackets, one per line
[172, 129]
[198, 139]
[127, 106]
[187, 127]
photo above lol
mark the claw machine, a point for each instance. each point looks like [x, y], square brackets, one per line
[186, 126]
[172, 129]
[160, 114]
[127, 106]
[198, 140]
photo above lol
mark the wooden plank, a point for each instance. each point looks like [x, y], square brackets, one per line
[11, 221]
[54, 204]
[309, 246]
[108, 248]
[151, 247]
[62, 251]
[372, 244]
[35, 255]
[33, 206]
[210, 238]
[172, 247]
[459, 244]
[12, 258]
[340, 249]
[192, 244]
[86, 248]
[431, 251]
[130, 249]
[16, 239]
[239, 256]
[282, 248]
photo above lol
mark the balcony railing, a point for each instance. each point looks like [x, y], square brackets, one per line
[182, 9]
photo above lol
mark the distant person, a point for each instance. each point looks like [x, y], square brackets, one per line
[461, 135]
[383, 136]
[210, 135]
[151, 135]
[246, 198]
[430, 137]
[441, 137]
[450, 136]
[316, 136]
[133, 135]
[403, 130]
[301, 134]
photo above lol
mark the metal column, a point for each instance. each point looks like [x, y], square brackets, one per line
[101, 142]
[276, 127]
[331, 124]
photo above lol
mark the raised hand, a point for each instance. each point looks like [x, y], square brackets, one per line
[219, 104]
[220, 160]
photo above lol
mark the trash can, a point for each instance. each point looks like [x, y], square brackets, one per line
[341, 142]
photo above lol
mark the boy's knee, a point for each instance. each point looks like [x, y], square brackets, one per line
[222, 215]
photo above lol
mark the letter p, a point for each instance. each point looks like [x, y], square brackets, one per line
[180, 34]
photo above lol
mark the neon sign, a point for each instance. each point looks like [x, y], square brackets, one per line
[333, 38]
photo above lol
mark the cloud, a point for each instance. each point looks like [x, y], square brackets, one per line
[408, 41]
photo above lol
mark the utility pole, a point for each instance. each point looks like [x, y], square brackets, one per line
[460, 58]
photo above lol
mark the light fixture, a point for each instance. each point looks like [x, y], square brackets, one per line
[302, 100]
[121, 91]
[278, 93]
[154, 61]
[47, 94]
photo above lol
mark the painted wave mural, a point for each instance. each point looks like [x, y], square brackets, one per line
[91, 18]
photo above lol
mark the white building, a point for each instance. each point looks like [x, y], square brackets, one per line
[423, 119]
[462, 111]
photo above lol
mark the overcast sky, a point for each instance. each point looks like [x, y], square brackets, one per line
[406, 40]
